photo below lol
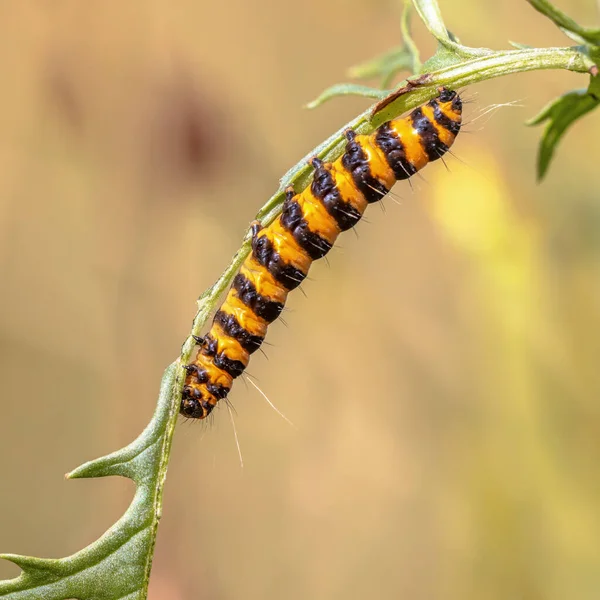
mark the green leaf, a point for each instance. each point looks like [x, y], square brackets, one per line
[443, 58]
[347, 89]
[519, 46]
[429, 11]
[385, 66]
[569, 26]
[406, 57]
[116, 566]
[409, 44]
[388, 65]
[560, 114]
[594, 87]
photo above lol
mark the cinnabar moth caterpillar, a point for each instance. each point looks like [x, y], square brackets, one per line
[307, 228]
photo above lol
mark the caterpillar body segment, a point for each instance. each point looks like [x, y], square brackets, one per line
[305, 231]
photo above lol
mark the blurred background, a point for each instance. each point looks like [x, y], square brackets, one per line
[442, 370]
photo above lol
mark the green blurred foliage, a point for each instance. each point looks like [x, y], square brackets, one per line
[442, 371]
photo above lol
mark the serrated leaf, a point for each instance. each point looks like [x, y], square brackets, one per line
[117, 565]
[569, 26]
[347, 89]
[560, 114]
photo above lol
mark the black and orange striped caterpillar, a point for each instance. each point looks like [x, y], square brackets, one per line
[306, 229]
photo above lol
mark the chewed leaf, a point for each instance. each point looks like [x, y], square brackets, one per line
[560, 115]
[116, 566]
[347, 89]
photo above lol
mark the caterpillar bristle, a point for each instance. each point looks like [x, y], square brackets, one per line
[306, 230]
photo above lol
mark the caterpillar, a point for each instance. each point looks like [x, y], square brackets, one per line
[305, 231]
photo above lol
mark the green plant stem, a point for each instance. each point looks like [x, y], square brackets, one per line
[494, 65]
[471, 71]
[125, 551]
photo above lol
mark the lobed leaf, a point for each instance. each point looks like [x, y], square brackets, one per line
[117, 565]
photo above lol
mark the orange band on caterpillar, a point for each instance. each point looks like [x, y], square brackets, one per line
[305, 231]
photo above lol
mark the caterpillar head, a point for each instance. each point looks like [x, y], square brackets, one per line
[450, 97]
[193, 403]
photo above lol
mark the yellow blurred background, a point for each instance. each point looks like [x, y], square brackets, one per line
[442, 370]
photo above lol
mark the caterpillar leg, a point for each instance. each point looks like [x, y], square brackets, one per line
[308, 226]
[197, 372]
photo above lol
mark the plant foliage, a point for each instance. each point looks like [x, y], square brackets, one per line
[117, 566]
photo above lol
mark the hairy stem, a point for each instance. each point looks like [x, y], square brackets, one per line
[468, 72]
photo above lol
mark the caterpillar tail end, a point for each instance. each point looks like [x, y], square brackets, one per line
[193, 405]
